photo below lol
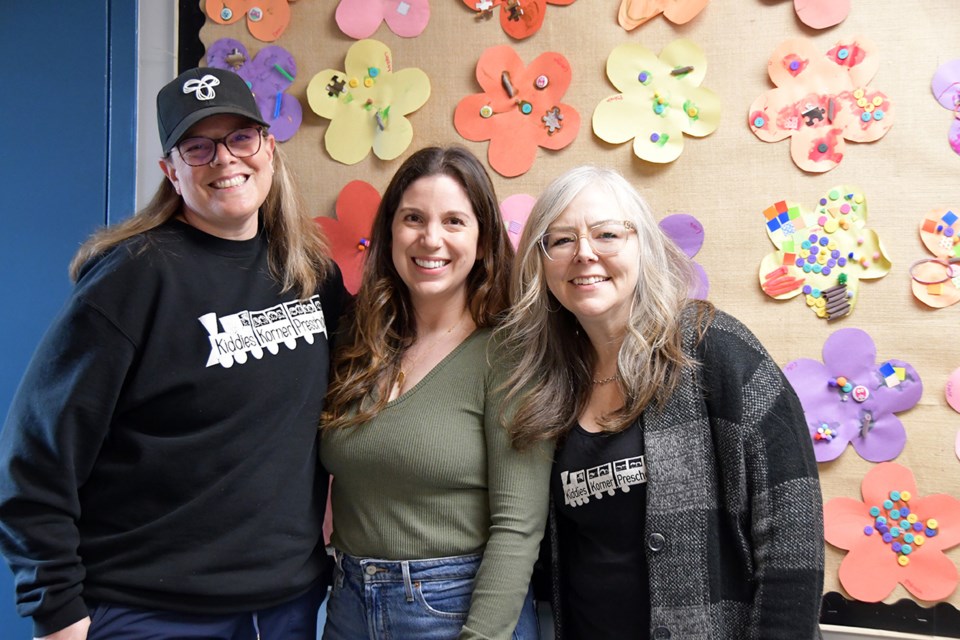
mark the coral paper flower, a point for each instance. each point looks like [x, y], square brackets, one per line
[660, 100]
[822, 254]
[820, 14]
[936, 281]
[361, 18]
[946, 89]
[367, 104]
[634, 13]
[894, 536]
[821, 101]
[349, 233]
[519, 110]
[266, 19]
[850, 398]
[269, 74]
[519, 18]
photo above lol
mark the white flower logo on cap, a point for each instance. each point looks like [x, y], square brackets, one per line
[202, 87]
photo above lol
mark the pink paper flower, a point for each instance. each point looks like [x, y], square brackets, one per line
[893, 536]
[519, 18]
[361, 18]
[821, 101]
[853, 399]
[820, 14]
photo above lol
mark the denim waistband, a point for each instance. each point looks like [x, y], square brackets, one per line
[372, 570]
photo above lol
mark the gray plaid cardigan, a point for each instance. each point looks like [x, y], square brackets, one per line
[734, 528]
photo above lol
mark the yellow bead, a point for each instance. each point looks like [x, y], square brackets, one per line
[354, 83]
[905, 496]
[858, 94]
[932, 523]
[811, 300]
[919, 540]
[903, 561]
[912, 517]
[368, 82]
[877, 101]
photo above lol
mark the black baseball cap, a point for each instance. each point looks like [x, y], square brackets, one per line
[199, 93]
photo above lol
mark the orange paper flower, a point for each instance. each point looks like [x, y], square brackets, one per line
[519, 18]
[894, 536]
[634, 13]
[266, 19]
[519, 110]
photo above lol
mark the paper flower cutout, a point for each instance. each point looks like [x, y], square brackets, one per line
[361, 18]
[515, 210]
[661, 100]
[687, 232]
[821, 101]
[894, 536]
[952, 391]
[367, 103]
[266, 19]
[519, 110]
[519, 18]
[349, 232]
[269, 74]
[852, 399]
[634, 13]
[822, 254]
[820, 14]
[946, 88]
[936, 281]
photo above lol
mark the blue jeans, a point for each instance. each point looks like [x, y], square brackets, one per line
[408, 600]
[293, 620]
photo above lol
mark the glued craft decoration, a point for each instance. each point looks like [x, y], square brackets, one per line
[894, 536]
[368, 103]
[660, 100]
[266, 19]
[519, 110]
[852, 399]
[361, 18]
[269, 74]
[519, 18]
[821, 101]
[349, 232]
[823, 254]
[936, 281]
[821, 14]
[946, 89]
[687, 233]
[952, 391]
[634, 13]
[515, 210]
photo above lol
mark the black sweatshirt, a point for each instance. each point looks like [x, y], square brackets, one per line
[161, 451]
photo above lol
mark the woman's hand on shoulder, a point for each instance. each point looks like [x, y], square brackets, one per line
[76, 631]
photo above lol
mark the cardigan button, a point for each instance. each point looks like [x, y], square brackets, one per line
[656, 542]
[661, 633]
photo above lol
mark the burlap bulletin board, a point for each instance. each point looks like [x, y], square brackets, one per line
[726, 179]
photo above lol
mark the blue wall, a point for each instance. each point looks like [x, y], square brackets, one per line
[68, 108]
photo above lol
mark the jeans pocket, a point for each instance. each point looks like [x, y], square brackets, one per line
[448, 599]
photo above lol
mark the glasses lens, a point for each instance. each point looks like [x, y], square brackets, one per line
[243, 143]
[558, 244]
[608, 238]
[197, 151]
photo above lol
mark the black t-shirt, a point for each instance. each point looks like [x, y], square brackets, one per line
[600, 493]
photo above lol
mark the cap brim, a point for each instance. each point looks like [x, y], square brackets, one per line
[199, 115]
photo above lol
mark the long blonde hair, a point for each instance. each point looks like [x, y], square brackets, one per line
[383, 325]
[554, 359]
[298, 253]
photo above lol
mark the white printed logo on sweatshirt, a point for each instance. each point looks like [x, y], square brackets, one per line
[578, 486]
[253, 331]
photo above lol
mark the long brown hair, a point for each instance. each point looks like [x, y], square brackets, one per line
[383, 324]
[298, 252]
[554, 359]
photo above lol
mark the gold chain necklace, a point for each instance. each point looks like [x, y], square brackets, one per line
[603, 381]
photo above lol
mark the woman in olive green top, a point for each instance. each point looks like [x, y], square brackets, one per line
[437, 518]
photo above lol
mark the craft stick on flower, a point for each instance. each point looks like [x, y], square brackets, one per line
[820, 14]
[349, 232]
[894, 536]
[661, 99]
[946, 89]
[269, 74]
[822, 254]
[361, 18]
[368, 103]
[266, 19]
[519, 110]
[519, 18]
[634, 13]
[821, 101]
[936, 281]
[852, 399]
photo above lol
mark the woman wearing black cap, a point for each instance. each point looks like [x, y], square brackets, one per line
[158, 473]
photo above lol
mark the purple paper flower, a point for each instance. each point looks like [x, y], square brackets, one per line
[687, 232]
[855, 397]
[269, 74]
